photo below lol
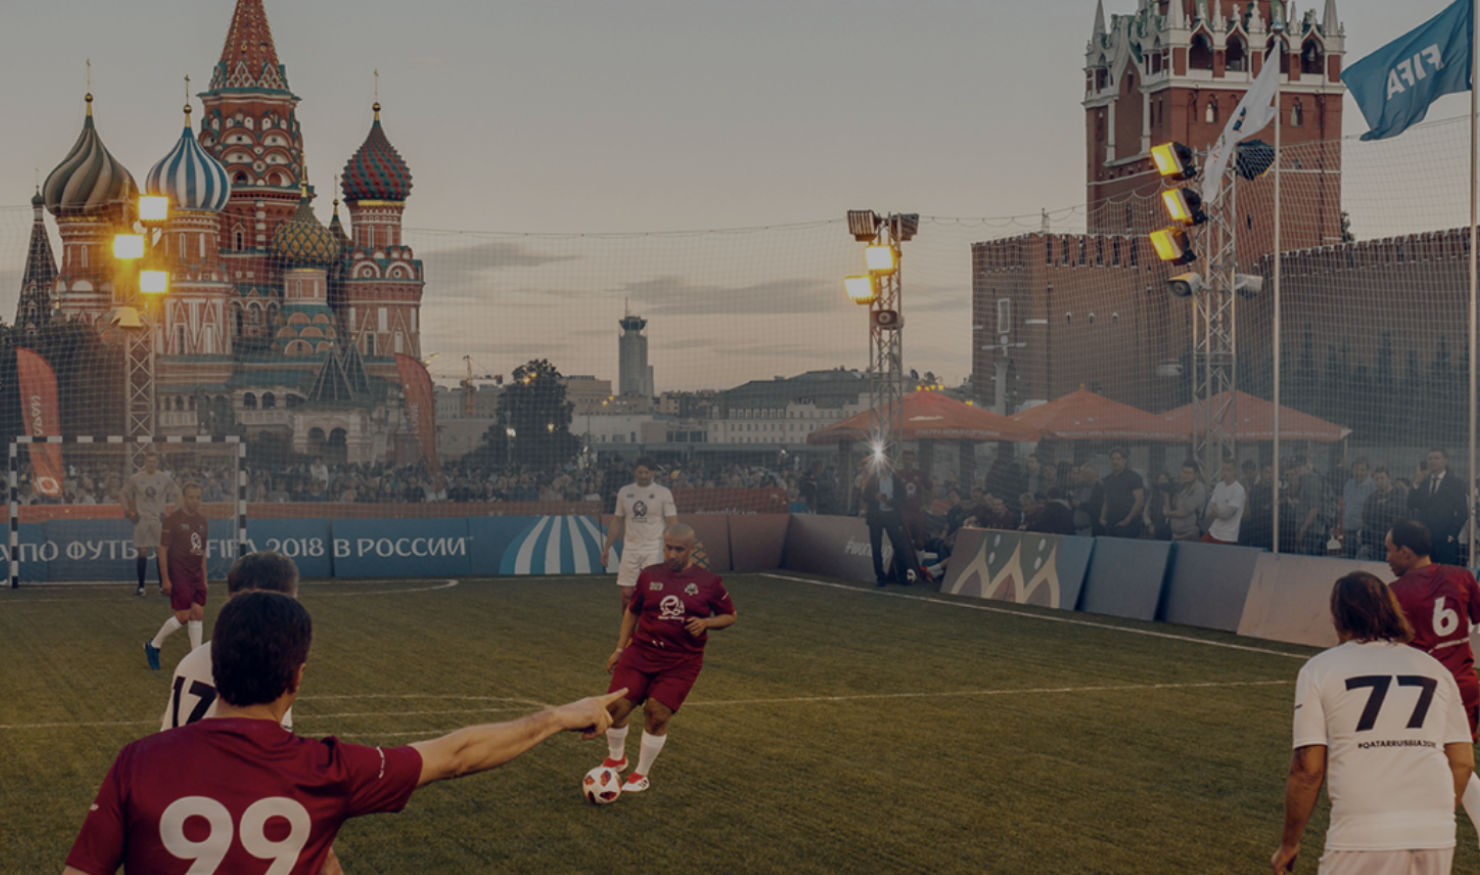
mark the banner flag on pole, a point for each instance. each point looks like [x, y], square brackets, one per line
[1253, 114]
[1394, 85]
[39, 409]
[421, 411]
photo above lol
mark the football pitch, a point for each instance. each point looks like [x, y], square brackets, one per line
[836, 728]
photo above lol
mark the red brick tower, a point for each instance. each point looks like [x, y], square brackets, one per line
[1175, 70]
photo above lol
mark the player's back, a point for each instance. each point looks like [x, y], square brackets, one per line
[1384, 711]
[1440, 602]
[229, 778]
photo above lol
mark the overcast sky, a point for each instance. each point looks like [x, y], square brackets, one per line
[580, 116]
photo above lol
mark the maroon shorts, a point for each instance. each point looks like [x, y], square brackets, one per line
[663, 678]
[187, 590]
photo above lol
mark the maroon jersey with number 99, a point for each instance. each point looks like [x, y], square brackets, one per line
[666, 600]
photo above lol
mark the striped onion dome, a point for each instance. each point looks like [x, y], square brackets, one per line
[190, 177]
[376, 172]
[303, 241]
[89, 178]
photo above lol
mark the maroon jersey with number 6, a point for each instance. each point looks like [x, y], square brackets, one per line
[1440, 602]
[666, 600]
[235, 795]
[183, 538]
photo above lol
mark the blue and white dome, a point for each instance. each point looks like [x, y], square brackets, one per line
[190, 177]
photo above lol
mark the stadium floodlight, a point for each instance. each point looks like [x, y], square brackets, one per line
[881, 260]
[1174, 161]
[862, 289]
[154, 208]
[124, 317]
[154, 282]
[1172, 245]
[1184, 205]
[863, 225]
[509, 431]
[128, 246]
[1185, 285]
[906, 226]
[1248, 284]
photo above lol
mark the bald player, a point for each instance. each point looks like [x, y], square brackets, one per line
[661, 649]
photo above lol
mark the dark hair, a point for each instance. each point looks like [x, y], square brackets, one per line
[1119, 451]
[268, 571]
[1380, 469]
[1056, 493]
[1414, 535]
[1299, 460]
[1439, 450]
[261, 639]
[1364, 609]
[647, 462]
[1361, 460]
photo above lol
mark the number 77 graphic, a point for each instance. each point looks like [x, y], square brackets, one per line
[1379, 684]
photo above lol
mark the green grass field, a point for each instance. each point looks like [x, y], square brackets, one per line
[835, 729]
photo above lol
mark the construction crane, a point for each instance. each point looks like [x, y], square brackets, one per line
[469, 383]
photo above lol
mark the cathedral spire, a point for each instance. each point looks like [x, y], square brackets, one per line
[1099, 21]
[1329, 24]
[35, 305]
[249, 58]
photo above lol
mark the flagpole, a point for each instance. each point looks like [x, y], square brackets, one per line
[1278, 111]
[1470, 407]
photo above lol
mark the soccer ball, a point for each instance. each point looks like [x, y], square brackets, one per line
[602, 786]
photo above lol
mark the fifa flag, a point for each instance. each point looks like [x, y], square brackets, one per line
[421, 411]
[1253, 114]
[38, 388]
[1394, 85]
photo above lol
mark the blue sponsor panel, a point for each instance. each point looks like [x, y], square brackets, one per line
[33, 546]
[1208, 584]
[1290, 597]
[90, 550]
[1125, 577]
[400, 548]
[306, 541]
[536, 545]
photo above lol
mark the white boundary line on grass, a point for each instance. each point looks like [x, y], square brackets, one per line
[1045, 617]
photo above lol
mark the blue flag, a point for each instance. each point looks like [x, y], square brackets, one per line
[1394, 85]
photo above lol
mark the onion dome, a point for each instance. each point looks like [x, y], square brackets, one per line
[190, 177]
[303, 241]
[89, 178]
[376, 172]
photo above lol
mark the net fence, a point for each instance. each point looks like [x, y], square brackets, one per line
[552, 361]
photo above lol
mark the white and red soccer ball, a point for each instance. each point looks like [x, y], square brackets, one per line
[602, 786]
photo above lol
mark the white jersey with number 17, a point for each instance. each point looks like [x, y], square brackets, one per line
[193, 692]
[645, 510]
[1384, 711]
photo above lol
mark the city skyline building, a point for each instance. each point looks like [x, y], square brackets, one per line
[634, 374]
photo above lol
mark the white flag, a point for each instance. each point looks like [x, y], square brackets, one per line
[1256, 110]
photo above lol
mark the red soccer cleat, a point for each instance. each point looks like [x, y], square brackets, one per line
[619, 765]
[635, 783]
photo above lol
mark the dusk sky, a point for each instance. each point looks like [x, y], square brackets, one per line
[583, 117]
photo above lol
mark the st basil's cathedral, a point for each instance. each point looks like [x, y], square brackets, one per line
[292, 324]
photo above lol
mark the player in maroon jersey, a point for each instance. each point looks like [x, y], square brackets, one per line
[1440, 602]
[237, 793]
[182, 571]
[661, 648]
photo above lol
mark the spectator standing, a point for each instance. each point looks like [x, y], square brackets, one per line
[1125, 498]
[1439, 501]
[1087, 502]
[1354, 497]
[916, 485]
[1226, 507]
[1384, 507]
[882, 495]
[1055, 516]
[1258, 524]
[1185, 505]
[1302, 532]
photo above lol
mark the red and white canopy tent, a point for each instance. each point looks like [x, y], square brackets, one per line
[1084, 416]
[1253, 420]
[931, 416]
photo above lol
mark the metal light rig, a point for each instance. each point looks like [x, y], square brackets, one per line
[880, 290]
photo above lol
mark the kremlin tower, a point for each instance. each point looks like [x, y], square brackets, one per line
[291, 325]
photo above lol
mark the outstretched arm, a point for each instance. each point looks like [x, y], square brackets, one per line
[480, 748]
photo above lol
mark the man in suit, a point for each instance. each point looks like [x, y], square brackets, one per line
[882, 496]
[1439, 500]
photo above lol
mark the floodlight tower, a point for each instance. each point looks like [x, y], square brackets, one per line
[880, 291]
[1214, 300]
[142, 285]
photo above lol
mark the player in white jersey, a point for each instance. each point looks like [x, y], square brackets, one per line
[644, 511]
[1384, 724]
[193, 689]
[144, 499]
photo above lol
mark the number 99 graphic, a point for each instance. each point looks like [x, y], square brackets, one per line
[208, 853]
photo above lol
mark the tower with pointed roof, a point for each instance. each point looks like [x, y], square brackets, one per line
[38, 282]
[1174, 70]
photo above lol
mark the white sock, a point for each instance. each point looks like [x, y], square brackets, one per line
[616, 742]
[165, 631]
[651, 746]
[1471, 800]
[194, 629]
